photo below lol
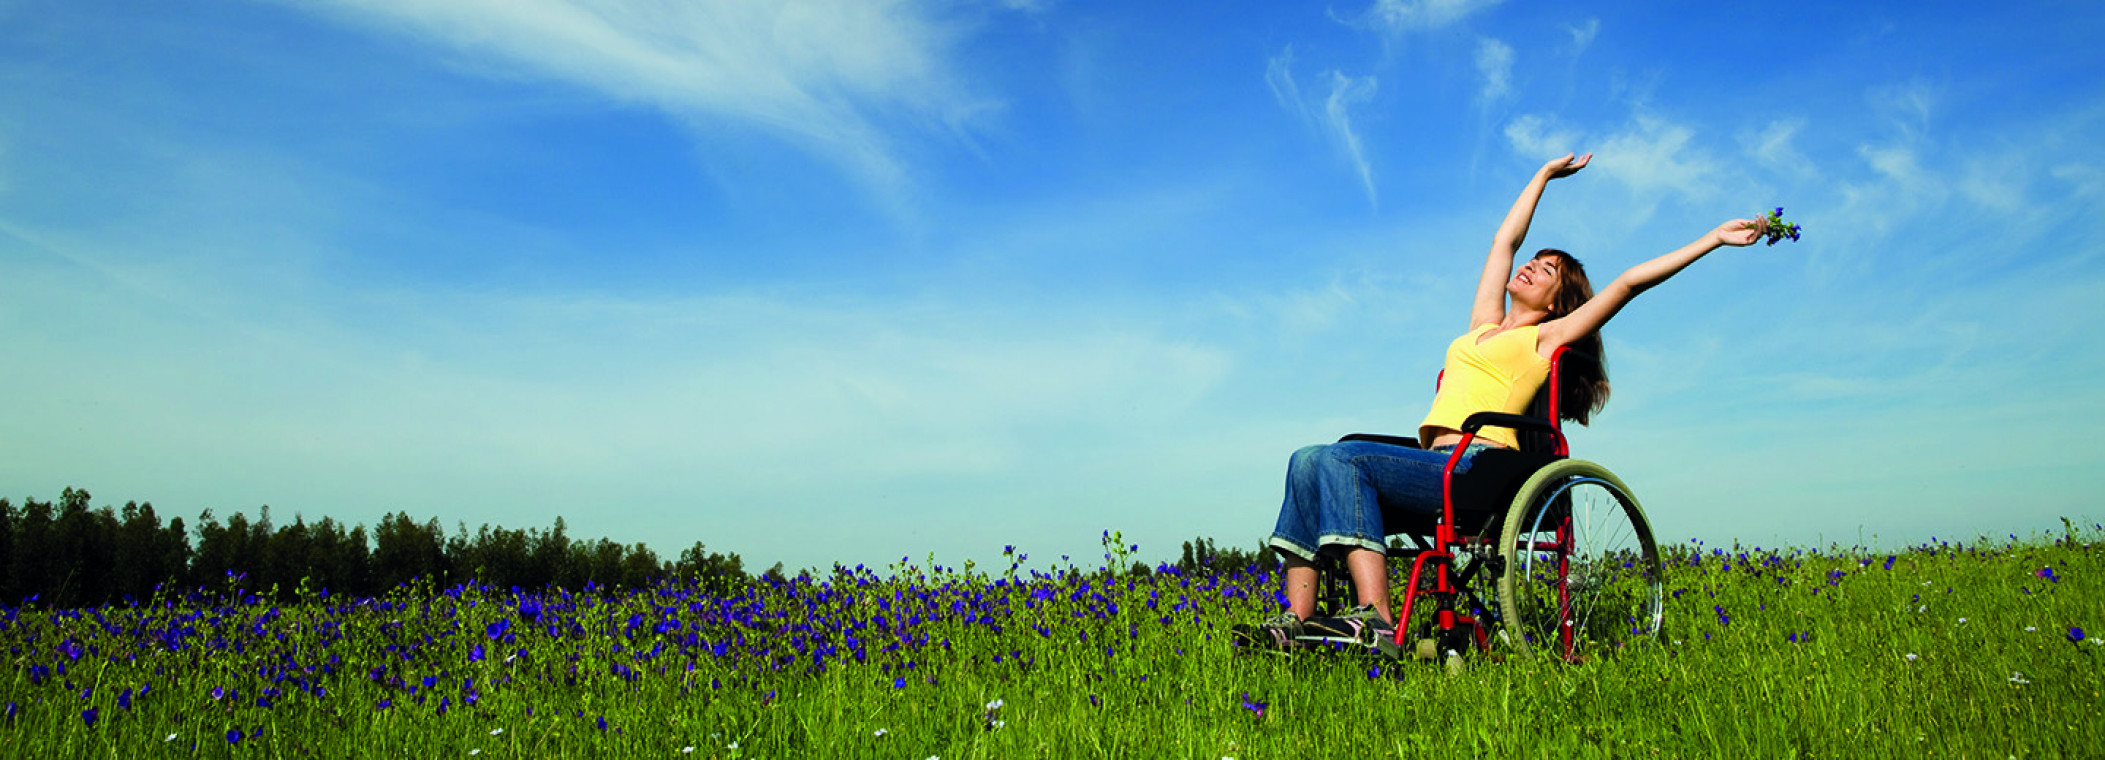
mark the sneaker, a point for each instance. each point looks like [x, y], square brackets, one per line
[1279, 633]
[1360, 625]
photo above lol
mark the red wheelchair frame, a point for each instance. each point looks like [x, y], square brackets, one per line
[1529, 504]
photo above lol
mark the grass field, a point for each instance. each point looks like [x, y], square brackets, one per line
[1981, 648]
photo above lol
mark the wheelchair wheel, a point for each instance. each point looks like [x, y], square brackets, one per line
[1581, 573]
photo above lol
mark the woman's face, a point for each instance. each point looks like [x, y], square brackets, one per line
[1535, 284]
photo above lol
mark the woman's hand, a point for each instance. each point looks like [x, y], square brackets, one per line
[1566, 166]
[1738, 232]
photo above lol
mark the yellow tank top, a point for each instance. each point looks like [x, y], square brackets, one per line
[1500, 375]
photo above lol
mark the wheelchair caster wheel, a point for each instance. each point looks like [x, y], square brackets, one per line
[1426, 651]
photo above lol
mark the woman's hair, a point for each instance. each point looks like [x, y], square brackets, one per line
[1583, 378]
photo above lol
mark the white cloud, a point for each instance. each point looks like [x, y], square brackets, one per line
[1345, 93]
[1775, 146]
[1494, 60]
[1653, 156]
[1998, 181]
[1533, 135]
[833, 76]
[1279, 76]
[1909, 104]
[1582, 34]
[1409, 15]
[1332, 116]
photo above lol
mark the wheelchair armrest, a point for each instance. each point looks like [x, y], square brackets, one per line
[1392, 440]
[1517, 422]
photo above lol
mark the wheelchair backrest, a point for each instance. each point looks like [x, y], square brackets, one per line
[1549, 404]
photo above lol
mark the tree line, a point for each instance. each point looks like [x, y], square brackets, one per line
[67, 554]
[70, 555]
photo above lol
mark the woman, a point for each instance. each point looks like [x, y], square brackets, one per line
[1333, 491]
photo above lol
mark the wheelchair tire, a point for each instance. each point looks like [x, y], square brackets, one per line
[1582, 575]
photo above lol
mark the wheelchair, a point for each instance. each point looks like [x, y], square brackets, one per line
[1560, 542]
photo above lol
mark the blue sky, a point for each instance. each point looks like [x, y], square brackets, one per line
[841, 280]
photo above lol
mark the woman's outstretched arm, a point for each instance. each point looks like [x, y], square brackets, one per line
[1491, 288]
[1638, 279]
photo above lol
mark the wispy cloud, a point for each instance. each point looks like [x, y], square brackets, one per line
[1414, 15]
[1494, 60]
[1347, 93]
[841, 78]
[1654, 155]
[1908, 105]
[1331, 111]
[1582, 34]
[1650, 155]
[1537, 135]
[1775, 146]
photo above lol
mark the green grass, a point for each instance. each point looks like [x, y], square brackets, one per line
[1082, 663]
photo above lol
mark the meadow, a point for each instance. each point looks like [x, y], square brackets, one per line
[1975, 648]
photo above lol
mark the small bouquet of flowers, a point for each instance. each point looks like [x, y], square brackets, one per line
[1775, 228]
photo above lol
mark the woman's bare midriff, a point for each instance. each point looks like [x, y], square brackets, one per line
[1451, 437]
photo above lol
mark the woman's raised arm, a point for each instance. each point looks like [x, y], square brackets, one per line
[1638, 279]
[1491, 288]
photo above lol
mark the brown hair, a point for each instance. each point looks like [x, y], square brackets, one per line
[1583, 376]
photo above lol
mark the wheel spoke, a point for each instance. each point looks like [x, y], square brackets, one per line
[1609, 586]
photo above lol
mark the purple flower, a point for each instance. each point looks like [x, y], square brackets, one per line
[88, 716]
[2075, 635]
[476, 654]
[125, 700]
[1254, 707]
[234, 736]
[497, 630]
[2048, 573]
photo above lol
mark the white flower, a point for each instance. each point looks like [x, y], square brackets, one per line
[474, 752]
[1962, 621]
[2018, 678]
[1911, 657]
[734, 745]
[881, 732]
[496, 731]
[171, 737]
[687, 750]
[2029, 629]
[994, 705]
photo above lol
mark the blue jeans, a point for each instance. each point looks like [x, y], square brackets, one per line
[1335, 493]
